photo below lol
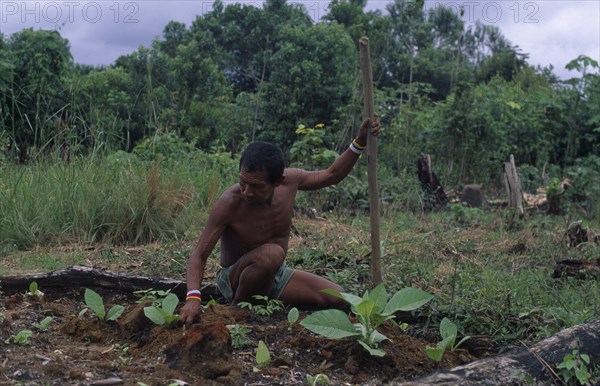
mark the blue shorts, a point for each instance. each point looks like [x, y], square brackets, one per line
[282, 277]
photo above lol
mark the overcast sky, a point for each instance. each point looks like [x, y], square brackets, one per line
[550, 31]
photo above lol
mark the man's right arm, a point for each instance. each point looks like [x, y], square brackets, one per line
[217, 221]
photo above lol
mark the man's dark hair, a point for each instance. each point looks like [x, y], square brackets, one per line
[263, 156]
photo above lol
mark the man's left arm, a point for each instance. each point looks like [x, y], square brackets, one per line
[339, 169]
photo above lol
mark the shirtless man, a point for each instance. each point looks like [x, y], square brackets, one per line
[253, 219]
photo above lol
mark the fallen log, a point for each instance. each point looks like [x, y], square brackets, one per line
[85, 277]
[581, 269]
[538, 362]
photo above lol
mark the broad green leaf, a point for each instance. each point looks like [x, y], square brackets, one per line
[571, 363]
[585, 358]
[407, 299]
[333, 324]
[445, 343]
[115, 312]
[376, 352]
[378, 319]
[435, 354]
[582, 376]
[263, 356]
[377, 337]
[366, 308]
[155, 315]
[44, 324]
[169, 303]
[22, 337]
[293, 315]
[95, 302]
[379, 296]
[448, 330]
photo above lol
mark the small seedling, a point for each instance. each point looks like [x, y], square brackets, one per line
[34, 290]
[124, 359]
[44, 324]
[238, 336]
[22, 337]
[371, 311]
[267, 309]
[319, 379]
[293, 315]
[165, 314]
[209, 304]
[96, 304]
[263, 356]
[449, 332]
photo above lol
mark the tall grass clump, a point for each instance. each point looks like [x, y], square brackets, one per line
[119, 199]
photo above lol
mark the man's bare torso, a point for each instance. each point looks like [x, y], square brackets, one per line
[254, 224]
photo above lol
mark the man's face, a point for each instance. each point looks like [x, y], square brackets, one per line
[255, 186]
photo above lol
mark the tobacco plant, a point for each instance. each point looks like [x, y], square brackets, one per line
[34, 290]
[371, 311]
[165, 313]
[44, 324]
[292, 317]
[94, 302]
[449, 332]
[263, 356]
[22, 337]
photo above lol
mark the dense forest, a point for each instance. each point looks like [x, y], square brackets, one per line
[462, 93]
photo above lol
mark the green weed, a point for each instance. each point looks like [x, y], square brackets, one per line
[238, 336]
[268, 307]
[574, 369]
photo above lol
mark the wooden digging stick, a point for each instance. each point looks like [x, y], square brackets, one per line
[367, 77]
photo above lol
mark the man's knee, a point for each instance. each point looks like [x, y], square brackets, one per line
[334, 301]
[271, 256]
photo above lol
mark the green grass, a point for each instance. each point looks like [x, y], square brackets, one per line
[119, 200]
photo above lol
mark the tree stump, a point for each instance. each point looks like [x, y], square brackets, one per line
[513, 185]
[434, 192]
[472, 195]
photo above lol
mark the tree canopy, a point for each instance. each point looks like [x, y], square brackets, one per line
[241, 73]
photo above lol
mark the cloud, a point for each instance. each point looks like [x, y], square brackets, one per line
[559, 32]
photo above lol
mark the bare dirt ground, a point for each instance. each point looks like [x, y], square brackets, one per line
[82, 350]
